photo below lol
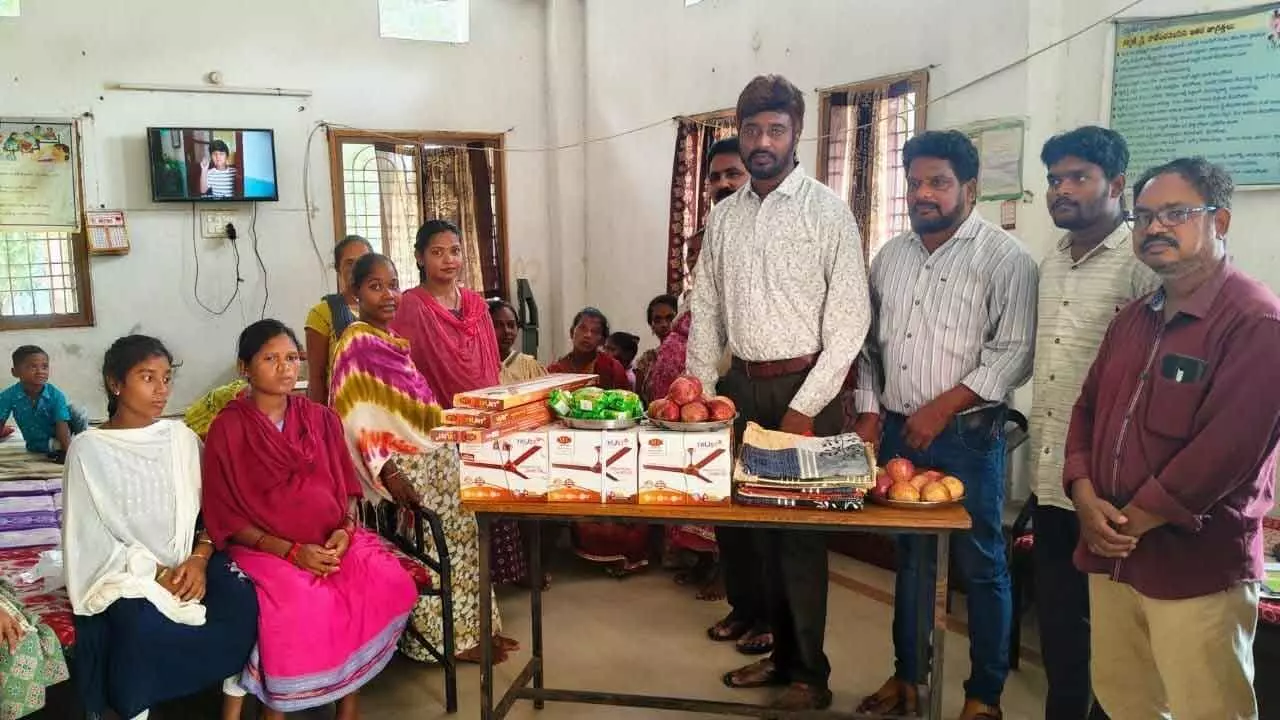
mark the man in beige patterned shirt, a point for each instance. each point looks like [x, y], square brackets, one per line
[782, 285]
[1090, 275]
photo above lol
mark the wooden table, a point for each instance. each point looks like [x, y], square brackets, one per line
[529, 684]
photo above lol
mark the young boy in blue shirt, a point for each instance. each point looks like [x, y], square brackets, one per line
[40, 409]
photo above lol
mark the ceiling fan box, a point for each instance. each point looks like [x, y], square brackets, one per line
[669, 449]
[575, 455]
[484, 465]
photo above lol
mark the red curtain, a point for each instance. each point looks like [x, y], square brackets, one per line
[690, 201]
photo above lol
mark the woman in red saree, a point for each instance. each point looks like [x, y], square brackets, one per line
[588, 333]
[452, 343]
[623, 548]
[279, 492]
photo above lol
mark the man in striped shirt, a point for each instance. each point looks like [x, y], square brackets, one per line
[1084, 281]
[954, 303]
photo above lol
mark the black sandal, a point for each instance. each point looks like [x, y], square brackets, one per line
[759, 641]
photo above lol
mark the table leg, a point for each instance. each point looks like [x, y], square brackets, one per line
[924, 610]
[486, 620]
[535, 604]
[940, 627]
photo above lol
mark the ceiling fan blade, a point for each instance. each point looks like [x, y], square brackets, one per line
[583, 468]
[526, 455]
[617, 456]
[707, 460]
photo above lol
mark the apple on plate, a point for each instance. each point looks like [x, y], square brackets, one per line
[935, 492]
[920, 480]
[900, 469]
[883, 483]
[954, 486]
[904, 491]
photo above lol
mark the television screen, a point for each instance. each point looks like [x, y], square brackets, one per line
[210, 164]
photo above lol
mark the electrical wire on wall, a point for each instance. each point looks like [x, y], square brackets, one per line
[852, 128]
[195, 251]
[262, 266]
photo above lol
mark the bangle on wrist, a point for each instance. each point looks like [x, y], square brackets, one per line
[292, 555]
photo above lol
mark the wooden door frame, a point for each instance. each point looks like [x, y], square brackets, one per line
[496, 141]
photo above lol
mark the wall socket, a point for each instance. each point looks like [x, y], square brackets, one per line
[213, 223]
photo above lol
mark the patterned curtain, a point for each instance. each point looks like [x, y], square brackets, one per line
[450, 195]
[690, 201]
[401, 213]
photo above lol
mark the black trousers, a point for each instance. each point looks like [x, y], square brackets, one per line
[793, 563]
[1062, 610]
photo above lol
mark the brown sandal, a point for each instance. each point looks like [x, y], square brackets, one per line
[762, 673]
[728, 629]
[895, 697]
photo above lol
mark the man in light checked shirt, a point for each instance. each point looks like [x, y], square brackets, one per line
[1085, 279]
[955, 315]
[782, 285]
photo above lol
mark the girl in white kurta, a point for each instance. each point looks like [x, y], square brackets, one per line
[159, 615]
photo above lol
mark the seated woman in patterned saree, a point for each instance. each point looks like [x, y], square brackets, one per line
[279, 495]
[387, 410]
[30, 658]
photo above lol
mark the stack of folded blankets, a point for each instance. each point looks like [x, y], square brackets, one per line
[778, 469]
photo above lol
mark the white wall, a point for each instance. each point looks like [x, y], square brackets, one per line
[653, 59]
[59, 54]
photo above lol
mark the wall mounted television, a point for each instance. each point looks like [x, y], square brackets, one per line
[212, 165]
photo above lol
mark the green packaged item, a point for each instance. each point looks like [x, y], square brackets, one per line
[560, 402]
[623, 401]
[586, 402]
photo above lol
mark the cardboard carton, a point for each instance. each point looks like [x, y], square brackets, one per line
[592, 465]
[679, 468]
[513, 468]
[502, 397]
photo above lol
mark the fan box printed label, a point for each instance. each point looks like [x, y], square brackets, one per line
[685, 468]
[592, 465]
[513, 468]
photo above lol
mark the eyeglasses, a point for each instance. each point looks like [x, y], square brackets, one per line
[1168, 217]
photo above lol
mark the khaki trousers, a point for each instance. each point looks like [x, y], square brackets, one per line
[1186, 659]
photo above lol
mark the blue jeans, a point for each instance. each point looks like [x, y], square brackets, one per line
[974, 451]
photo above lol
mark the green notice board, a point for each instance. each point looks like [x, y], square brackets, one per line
[1205, 85]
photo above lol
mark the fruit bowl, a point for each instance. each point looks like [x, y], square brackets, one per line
[707, 426]
[912, 504]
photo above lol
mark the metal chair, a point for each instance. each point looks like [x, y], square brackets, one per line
[404, 530]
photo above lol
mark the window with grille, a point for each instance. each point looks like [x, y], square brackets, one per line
[44, 280]
[863, 128]
[391, 183]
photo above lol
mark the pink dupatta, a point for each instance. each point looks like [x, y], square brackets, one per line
[455, 354]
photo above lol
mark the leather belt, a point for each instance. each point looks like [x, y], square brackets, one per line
[771, 369]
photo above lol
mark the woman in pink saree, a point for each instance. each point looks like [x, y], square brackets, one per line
[453, 344]
[279, 492]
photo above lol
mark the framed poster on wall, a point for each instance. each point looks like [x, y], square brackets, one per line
[39, 175]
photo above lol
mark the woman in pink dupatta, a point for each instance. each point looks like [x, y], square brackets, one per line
[452, 343]
[279, 489]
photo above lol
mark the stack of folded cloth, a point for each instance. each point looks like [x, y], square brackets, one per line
[782, 470]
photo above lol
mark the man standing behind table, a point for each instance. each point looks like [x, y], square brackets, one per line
[1171, 460]
[1084, 282]
[781, 284]
[955, 304]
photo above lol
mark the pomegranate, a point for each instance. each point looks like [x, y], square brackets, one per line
[684, 390]
[900, 469]
[721, 408]
[883, 482]
[920, 480]
[657, 407]
[694, 412]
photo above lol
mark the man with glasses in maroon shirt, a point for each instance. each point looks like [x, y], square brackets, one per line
[1170, 462]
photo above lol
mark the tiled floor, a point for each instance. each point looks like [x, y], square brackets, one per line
[645, 634]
